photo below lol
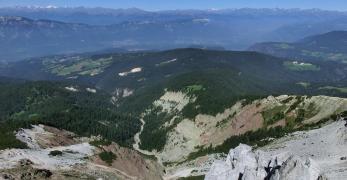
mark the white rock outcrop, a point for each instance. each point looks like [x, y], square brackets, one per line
[72, 155]
[243, 163]
[316, 154]
[294, 168]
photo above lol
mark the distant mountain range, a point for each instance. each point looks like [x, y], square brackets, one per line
[330, 46]
[106, 16]
[22, 38]
[24, 33]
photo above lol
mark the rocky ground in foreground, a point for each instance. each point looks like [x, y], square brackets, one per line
[316, 154]
[58, 154]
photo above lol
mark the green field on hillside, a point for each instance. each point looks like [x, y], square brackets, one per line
[295, 66]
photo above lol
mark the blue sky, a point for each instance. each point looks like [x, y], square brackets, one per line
[185, 4]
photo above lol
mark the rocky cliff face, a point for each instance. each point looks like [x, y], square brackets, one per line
[243, 163]
[311, 155]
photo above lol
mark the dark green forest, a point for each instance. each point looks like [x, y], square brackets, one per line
[51, 104]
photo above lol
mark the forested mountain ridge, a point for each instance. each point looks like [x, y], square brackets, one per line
[96, 66]
[141, 75]
[330, 46]
[62, 105]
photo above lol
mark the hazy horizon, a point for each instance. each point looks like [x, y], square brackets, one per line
[157, 5]
[160, 10]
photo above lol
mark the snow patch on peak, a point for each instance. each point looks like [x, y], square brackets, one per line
[203, 20]
[51, 7]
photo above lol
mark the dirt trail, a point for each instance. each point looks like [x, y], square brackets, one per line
[111, 170]
[137, 142]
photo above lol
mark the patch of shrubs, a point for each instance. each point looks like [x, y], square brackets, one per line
[202, 177]
[287, 100]
[55, 153]
[101, 142]
[344, 114]
[301, 116]
[253, 138]
[299, 99]
[108, 157]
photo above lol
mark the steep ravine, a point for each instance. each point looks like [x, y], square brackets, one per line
[137, 143]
